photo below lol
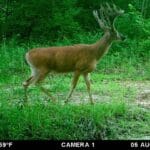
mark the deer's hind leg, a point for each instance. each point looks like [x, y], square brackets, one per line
[44, 90]
[26, 85]
[36, 77]
[30, 80]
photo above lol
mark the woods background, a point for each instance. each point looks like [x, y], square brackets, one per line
[120, 82]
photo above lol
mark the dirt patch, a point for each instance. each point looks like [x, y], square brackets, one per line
[83, 98]
[142, 98]
[143, 91]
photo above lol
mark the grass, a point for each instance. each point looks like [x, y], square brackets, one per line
[115, 120]
[114, 116]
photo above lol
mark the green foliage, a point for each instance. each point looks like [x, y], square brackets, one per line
[53, 20]
[128, 59]
[133, 24]
[41, 20]
[70, 122]
[31, 23]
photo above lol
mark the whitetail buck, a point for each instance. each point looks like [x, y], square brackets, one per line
[80, 59]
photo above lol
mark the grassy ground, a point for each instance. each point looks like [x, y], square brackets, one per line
[116, 114]
[121, 109]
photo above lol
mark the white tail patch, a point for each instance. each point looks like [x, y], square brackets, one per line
[80, 59]
[34, 71]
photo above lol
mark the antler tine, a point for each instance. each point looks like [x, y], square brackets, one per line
[104, 16]
[118, 11]
[100, 21]
[108, 7]
[3, 9]
[108, 12]
[114, 7]
[113, 12]
[107, 15]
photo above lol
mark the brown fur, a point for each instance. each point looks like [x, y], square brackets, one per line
[80, 59]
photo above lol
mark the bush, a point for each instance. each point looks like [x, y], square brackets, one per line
[133, 25]
[57, 122]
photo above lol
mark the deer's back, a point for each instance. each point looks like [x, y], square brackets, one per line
[64, 59]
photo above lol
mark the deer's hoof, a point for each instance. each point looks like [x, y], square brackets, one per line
[66, 101]
[25, 84]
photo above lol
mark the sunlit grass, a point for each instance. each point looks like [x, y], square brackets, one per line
[115, 114]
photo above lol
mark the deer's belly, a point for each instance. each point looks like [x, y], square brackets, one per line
[87, 66]
[64, 67]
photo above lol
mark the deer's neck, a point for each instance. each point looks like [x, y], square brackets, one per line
[103, 45]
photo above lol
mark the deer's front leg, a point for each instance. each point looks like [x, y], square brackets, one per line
[44, 90]
[73, 85]
[88, 84]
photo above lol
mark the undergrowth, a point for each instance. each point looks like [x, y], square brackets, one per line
[112, 117]
[71, 122]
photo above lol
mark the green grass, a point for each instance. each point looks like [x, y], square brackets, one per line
[114, 116]
[77, 122]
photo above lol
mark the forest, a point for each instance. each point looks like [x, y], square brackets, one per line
[120, 84]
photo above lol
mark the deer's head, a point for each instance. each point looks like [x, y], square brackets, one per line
[106, 17]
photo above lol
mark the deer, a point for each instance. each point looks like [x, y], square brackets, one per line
[80, 59]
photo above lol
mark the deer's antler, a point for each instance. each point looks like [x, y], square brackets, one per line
[101, 22]
[107, 14]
